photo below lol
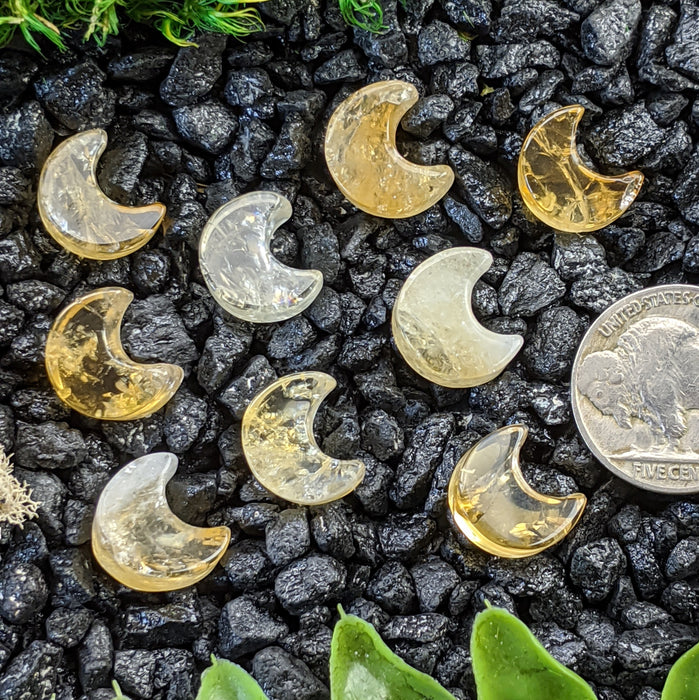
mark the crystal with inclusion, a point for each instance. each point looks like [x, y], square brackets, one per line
[434, 327]
[559, 188]
[239, 269]
[361, 153]
[140, 542]
[89, 369]
[78, 214]
[280, 447]
[497, 509]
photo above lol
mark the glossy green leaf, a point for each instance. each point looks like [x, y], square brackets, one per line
[683, 680]
[224, 680]
[362, 667]
[509, 663]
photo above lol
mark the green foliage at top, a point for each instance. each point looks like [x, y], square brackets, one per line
[683, 680]
[510, 662]
[178, 20]
[224, 680]
[363, 667]
[364, 14]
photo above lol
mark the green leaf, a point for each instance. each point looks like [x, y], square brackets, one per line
[362, 667]
[117, 690]
[509, 663]
[224, 680]
[683, 680]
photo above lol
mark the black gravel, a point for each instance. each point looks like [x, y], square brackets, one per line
[618, 600]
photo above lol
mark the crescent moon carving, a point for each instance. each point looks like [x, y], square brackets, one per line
[140, 542]
[559, 189]
[76, 212]
[497, 510]
[361, 153]
[89, 369]
[281, 450]
[240, 271]
[435, 329]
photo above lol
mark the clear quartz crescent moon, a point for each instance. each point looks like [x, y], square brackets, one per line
[240, 271]
[89, 369]
[281, 450]
[76, 212]
[361, 153]
[435, 329]
[140, 542]
[559, 189]
[497, 510]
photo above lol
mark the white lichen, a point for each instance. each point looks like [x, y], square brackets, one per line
[16, 504]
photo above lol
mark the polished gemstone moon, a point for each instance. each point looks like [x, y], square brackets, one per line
[76, 212]
[361, 153]
[559, 188]
[434, 327]
[497, 510]
[240, 271]
[280, 447]
[140, 542]
[89, 369]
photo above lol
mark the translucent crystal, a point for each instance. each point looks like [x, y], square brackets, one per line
[239, 270]
[280, 447]
[89, 369]
[140, 542]
[559, 188]
[78, 214]
[434, 327]
[361, 153]
[495, 507]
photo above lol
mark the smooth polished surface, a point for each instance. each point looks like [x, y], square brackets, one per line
[78, 214]
[434, 327]
[241, 273]
[139, 541]
[361, 153]
[559, 188]
[89, 369]
[497, 509]
[280, 447]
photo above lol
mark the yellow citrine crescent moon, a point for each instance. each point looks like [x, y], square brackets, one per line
[435, 329]
[559, 189]
[89, 369]
[239, 269]
[76, 212]
[281, 450]
[361, 153]
[140, 542]
[497, 510]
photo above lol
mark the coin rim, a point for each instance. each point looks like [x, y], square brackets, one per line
[579, 422]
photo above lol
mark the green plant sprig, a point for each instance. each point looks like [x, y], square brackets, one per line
[364, 14]
[177, 20]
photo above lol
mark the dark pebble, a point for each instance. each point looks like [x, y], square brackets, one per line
[245, 627]
[282, 676]
[313, 580]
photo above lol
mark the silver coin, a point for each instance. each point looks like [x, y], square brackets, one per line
[635, 388]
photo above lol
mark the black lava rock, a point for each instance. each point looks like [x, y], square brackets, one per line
[245, 627]
[25, 136]
[194, 71]
[313, 580]
[596, 566]
[77, 97]
[282, 676]
[23, 592]
[607, 34]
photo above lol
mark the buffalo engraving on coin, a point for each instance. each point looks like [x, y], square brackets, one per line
[635, 388]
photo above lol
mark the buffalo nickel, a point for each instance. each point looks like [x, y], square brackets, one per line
[635, 388]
